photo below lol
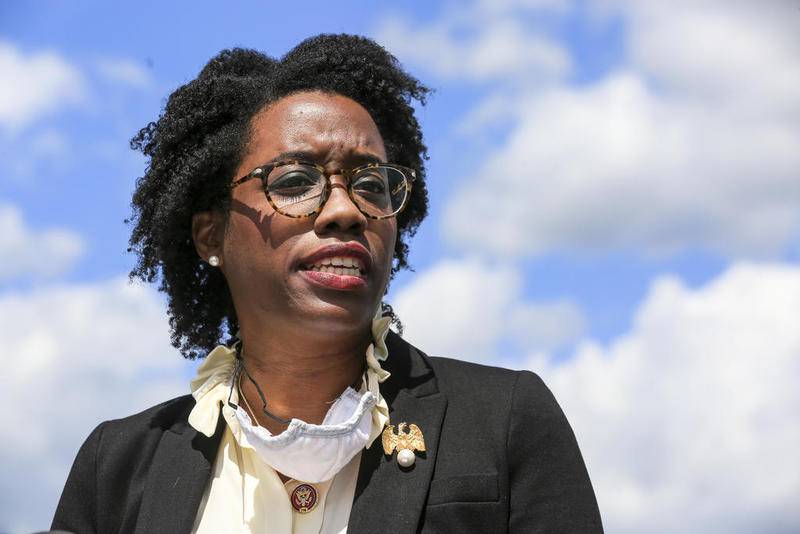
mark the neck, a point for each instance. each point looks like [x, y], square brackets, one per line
[300, 376]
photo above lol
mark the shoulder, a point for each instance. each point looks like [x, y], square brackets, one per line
[458, 377]
[516, 405]
[104, 468]
[455, 370]
[162, 416]
[505, 401]
[468, 383]
[131, 436]
[167, 412]
[521, 397]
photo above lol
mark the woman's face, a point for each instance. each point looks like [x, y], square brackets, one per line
[275, 265]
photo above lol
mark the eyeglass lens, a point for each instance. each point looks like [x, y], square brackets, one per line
[297, 189]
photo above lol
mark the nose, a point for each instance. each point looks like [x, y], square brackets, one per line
[340, 214]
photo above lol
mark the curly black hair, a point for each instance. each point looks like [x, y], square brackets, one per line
[197, 143]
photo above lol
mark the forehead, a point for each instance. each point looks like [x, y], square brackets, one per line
[330, 127]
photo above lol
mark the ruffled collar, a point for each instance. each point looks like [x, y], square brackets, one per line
[212, 384]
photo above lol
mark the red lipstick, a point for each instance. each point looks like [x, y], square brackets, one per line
[341, 266]
[335, 281]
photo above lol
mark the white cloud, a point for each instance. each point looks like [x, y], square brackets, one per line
[493, 6]
[739, 50]
[36, 84]
[614, 165]
[463, 47]
[464, 309]
[695, 144]
[31, 253]
[546, 326]
[688, 423]
[125, 71]
[74, 356]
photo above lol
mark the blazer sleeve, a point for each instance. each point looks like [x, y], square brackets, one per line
[76, 511]
[550, 491]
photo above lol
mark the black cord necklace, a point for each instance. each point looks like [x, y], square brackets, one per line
[236, 376]
[237, 372]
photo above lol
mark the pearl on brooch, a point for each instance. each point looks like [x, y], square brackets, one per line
[407, 440]
[406, 458]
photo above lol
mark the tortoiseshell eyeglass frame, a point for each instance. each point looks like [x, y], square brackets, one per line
[262, 172]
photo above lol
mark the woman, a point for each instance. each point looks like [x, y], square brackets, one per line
[275, 208]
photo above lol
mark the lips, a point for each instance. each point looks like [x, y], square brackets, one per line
[338, 266]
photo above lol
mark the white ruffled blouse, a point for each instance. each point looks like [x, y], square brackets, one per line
[246, 495]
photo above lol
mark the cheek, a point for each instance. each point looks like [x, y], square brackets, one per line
[387, 235]
[243, 233]
[260, 233]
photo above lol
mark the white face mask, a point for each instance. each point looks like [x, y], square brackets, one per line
[314, 453]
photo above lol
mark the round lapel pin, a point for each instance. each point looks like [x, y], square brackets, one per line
[304, 498]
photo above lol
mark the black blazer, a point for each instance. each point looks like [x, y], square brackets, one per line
[500, 457]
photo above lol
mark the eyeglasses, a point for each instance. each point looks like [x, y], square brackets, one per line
[300, 189]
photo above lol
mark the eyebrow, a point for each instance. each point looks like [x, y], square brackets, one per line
[357, 158]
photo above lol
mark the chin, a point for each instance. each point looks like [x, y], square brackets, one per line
[335, 310]
[341, 316]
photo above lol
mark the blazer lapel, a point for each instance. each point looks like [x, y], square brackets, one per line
[389, 499]
[178, 478]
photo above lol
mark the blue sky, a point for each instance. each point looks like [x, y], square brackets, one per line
[615, 204]
[87, 187]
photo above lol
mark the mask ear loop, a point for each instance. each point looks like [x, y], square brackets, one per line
[237, 371]
[236, 374]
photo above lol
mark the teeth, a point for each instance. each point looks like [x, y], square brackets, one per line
[348, 271]
[340, 263]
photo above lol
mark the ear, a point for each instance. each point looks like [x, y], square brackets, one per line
[208, 233]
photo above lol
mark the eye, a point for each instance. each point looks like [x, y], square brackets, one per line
[372, 183]
[293, 182]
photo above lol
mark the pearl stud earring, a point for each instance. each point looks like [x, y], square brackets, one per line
[213, 261]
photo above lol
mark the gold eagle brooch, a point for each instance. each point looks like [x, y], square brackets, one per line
[405, 442]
